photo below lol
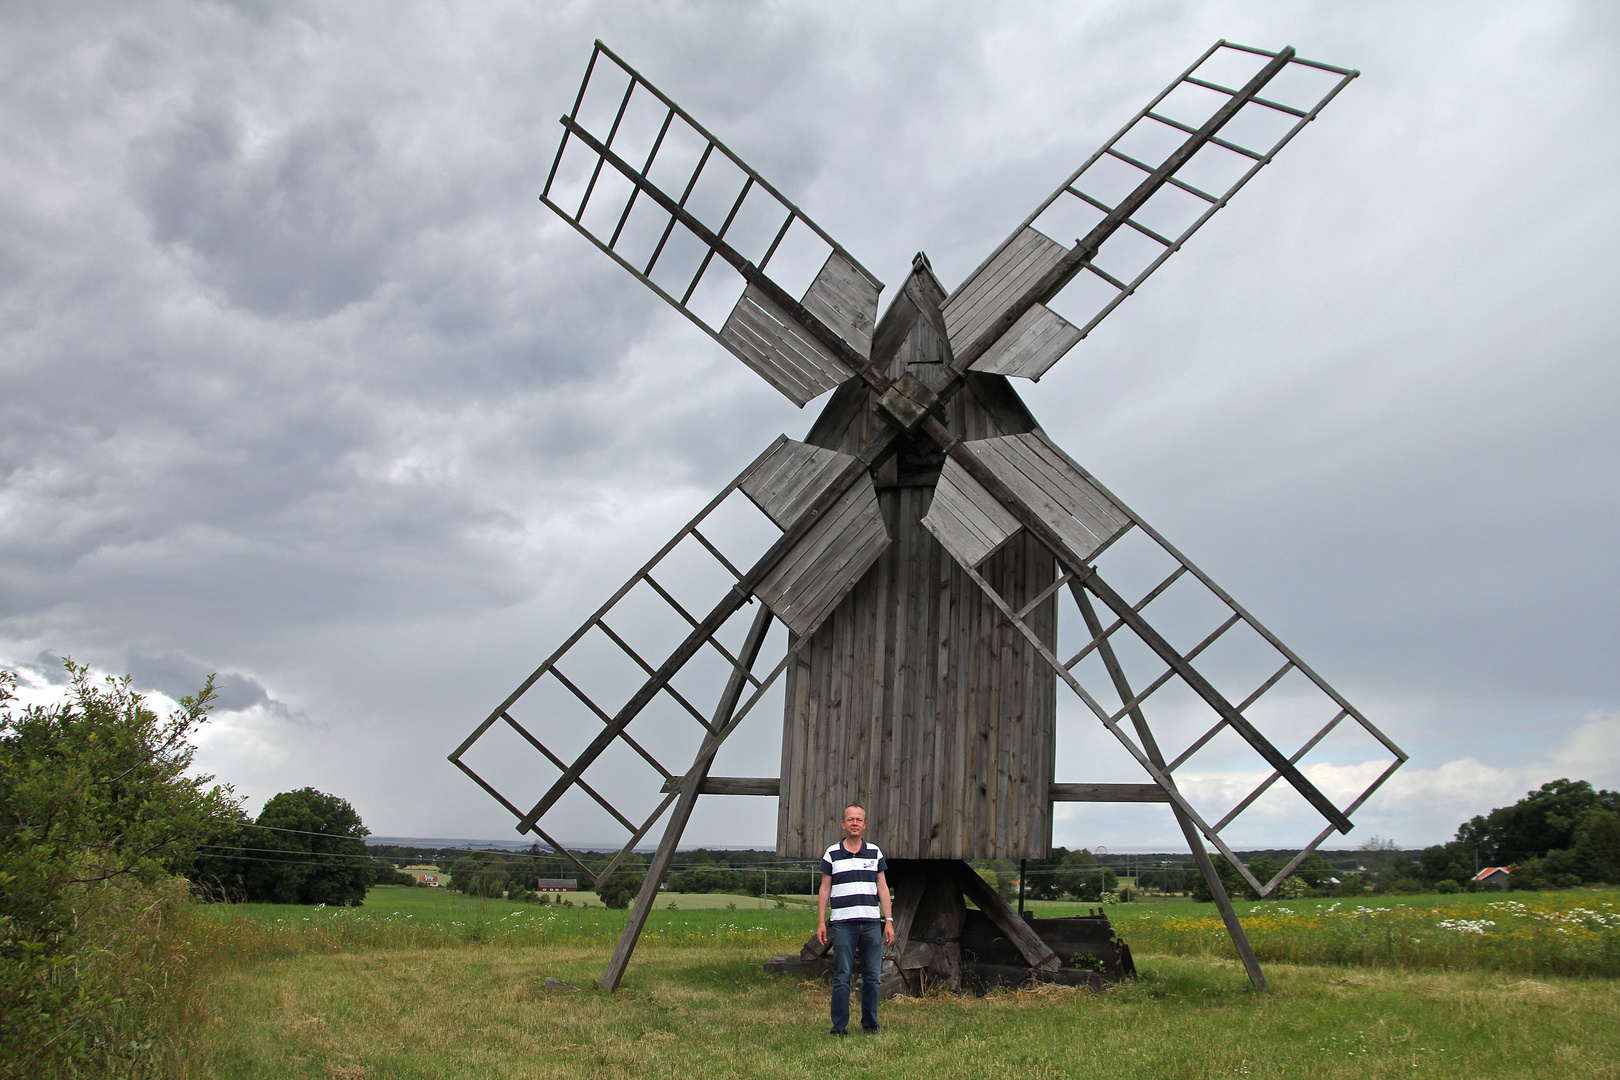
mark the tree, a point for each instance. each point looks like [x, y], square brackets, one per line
[1231, 880]
[1543, 821]
[619, 888]
[484, 873]
[1264, 868]
[97, 813]
[1083, 878]
[305, 847]
[1315, 871]
[704, 879]
[1596, 845]
[1385, 864]
[1446, 862]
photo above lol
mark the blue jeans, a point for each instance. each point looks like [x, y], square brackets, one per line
[847, 936]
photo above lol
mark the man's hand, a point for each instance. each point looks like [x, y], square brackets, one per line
[821, 934]
[888, 932]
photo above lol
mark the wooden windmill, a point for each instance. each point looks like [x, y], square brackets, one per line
[923, 536]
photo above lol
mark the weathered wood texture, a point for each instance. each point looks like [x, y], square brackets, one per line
[1075, 940]
[846, 300]
[973, 523]
[915, 698]
[749, 785]
[986, 296]
[784, 354]
[788, 477]
[1033, 344]
[808, 583]
[1109, 793]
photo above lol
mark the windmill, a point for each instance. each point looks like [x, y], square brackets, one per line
[916, 547]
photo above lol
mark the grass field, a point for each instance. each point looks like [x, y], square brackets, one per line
[430, 984]
[711, 1013]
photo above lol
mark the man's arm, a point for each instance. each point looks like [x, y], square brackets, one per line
[886, 906]
[822, 900]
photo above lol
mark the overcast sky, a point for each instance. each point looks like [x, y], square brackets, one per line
[300, 384]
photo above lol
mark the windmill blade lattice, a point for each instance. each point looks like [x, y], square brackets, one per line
[1041, 486]
[1132, 205]
[646, 183]
[801, 583]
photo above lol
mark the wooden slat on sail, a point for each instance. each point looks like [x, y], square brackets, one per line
[785, 354]
[845, 299]
[972, 525]
[808, 583]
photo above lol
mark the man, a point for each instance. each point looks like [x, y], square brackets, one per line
[855, 884]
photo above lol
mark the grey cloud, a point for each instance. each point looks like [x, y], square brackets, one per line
[292, 229]
[178, 676]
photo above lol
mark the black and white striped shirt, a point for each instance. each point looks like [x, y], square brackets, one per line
[854, 881]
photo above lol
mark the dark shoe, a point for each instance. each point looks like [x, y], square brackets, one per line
[835, 1031]
[870, 1031]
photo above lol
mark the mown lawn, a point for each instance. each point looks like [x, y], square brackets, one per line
[710, 1012]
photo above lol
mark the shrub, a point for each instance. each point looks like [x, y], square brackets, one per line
[1447, 887]
[99, 817]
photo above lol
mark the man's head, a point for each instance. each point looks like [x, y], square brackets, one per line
[854, 822]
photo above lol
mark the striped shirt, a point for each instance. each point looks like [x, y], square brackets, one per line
[854, 881]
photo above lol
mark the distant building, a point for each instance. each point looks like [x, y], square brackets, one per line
[428, 879]
[558, 885]
[1492, 877]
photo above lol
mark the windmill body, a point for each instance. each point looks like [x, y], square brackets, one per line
[915, 698]
[925, 545]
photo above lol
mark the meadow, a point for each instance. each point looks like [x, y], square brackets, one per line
[425, 983]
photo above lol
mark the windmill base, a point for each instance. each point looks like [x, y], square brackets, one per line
[941, 943]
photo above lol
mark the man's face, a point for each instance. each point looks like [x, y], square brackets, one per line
[854, 822]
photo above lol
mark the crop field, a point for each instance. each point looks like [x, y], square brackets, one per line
[421, 984]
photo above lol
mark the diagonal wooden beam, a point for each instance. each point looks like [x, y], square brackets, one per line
[1086, 248]
[1036, 952]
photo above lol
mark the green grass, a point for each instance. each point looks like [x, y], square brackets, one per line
[395, 917]
[445, 903]
[710, 1012]
[427, 984]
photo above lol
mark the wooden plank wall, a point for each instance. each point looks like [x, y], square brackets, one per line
[914, 698]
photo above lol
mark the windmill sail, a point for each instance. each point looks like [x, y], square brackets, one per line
[1131, 206]
[804, 587]
[993, 489]
[826, 508]
[646, 183]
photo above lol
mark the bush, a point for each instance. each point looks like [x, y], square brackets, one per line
[99, 817]
[1447, 887]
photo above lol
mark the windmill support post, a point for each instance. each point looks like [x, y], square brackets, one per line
[682, 813]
